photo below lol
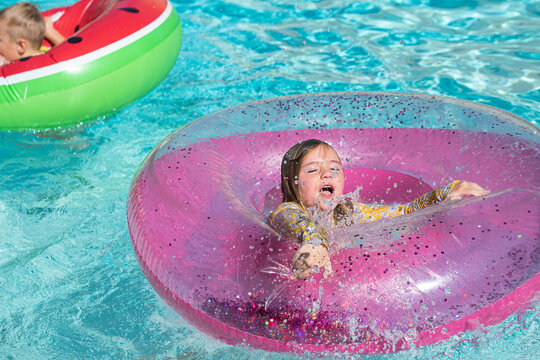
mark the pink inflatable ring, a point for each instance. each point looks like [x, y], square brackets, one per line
[198, 218]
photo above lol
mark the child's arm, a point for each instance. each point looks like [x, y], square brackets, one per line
[466, 188]
[308, 258]
[51, 34]
[453, 191]
[296, 222]
[313, 251]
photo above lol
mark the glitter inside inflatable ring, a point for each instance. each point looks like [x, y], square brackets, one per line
[198, 209]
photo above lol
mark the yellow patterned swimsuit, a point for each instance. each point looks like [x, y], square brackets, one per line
[296, 221]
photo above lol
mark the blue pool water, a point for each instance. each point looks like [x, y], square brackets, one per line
[70, 286]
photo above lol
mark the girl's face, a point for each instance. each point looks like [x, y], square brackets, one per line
[320, 178]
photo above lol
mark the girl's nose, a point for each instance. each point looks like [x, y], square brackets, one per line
[326, 173]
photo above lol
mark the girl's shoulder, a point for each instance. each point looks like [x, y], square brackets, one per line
[286, 207]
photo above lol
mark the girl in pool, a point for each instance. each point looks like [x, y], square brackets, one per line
[312, 178]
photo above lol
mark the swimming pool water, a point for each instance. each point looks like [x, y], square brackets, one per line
[70, 286]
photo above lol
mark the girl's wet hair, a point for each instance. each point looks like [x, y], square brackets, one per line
[290, 168]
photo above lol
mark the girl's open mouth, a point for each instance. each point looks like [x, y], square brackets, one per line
[327, 190]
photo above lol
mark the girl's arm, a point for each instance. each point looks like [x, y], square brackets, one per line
[295, 221]
[466, 188]
[453, 191]
[313, 252]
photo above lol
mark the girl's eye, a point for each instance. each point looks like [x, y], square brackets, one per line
[311, 171]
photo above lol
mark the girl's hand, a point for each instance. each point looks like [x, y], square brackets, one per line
[466, 188]
[308, 259]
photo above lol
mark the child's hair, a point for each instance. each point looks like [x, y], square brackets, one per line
[290, 168]
[24, 21]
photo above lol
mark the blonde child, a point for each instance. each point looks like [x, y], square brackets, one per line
[22, 29]
[312, 177]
